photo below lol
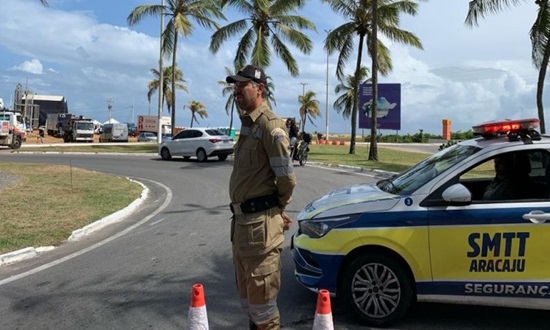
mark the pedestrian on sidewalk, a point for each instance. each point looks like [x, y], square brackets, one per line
[40, 136]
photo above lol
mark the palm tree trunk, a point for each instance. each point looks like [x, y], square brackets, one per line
[173, 114]
[356, 96]
[373, 151]
[540, 86]
[192, 117]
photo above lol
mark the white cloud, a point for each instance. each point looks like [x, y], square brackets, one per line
[33, 66]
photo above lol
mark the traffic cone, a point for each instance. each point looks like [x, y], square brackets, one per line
[197, 318]
[323, 313]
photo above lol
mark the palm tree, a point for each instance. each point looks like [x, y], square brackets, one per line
[344, 102]
[180, 14]
[166, 84]
[227, 89]
[196, 108]
[309, 108]
[373, 150]
[539, 34]
[270, 22]
[359, 16]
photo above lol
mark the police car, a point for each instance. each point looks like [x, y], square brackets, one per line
[430, 234]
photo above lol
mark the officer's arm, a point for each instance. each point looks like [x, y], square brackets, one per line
[276, 142]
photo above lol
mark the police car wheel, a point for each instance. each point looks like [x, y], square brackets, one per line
[165, 154]
[222, 157]
[378, 289]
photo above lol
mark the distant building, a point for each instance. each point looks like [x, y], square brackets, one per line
[39, 106]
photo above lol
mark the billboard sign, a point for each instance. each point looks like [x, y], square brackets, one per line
[388, 114]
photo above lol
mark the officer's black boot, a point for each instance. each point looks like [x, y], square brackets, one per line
[251, 325]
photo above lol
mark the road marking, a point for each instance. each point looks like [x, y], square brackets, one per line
[96, 245]
[336, 169]
[158, 221]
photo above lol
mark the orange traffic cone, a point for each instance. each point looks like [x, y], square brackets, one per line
[323, 313]
[197, 319]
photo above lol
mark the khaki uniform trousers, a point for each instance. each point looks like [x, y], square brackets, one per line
[257, 245]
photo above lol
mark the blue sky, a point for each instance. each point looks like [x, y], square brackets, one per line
[85, 51]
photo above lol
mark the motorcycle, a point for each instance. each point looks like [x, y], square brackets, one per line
[299, 153]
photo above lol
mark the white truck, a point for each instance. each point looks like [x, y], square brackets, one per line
[150, 124]
[78, 129]
[11, 134]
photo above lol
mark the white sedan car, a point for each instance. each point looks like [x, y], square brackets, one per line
[199, 142]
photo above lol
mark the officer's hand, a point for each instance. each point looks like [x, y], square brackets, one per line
[287, 221]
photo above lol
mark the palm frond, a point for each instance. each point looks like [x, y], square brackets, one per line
[140, 12]
[226, 32]
[284, 53]
[478, 9]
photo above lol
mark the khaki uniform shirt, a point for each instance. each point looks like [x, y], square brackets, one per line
[262, 159]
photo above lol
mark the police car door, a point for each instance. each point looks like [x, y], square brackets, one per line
[493, 251]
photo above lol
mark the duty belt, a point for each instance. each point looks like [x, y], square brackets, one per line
[256, 204]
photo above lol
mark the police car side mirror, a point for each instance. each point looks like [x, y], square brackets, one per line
[457, 194]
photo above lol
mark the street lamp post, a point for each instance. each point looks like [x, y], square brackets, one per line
[305, 115]
[326, 96]
[161, 78]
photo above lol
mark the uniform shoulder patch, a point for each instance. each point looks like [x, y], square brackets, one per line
[278, 134]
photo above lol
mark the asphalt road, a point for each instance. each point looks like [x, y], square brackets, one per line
[138, 274]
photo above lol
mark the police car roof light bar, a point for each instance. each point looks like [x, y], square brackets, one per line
[498, 127]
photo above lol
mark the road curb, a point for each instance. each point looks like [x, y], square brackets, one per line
[32, 252]
[112, 218]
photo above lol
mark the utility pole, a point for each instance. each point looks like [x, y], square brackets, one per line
[26, 104]
[132, 112]
[110, 107]
[303, 88]
[161, 79]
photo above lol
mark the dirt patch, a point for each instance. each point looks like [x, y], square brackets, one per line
[32, 138]
[7, 179]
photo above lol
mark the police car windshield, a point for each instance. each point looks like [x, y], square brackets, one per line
[415, 177]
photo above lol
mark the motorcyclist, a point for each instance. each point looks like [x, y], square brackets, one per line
[292, 134]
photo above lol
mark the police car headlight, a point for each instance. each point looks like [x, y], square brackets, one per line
[317, 228]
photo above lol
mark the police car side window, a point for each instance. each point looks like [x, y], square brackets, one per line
[540, 173]
[514, 176]
[477, 178]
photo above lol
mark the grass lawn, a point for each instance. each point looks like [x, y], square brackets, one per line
[48, 202]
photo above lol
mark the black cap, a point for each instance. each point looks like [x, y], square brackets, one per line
[250, 72]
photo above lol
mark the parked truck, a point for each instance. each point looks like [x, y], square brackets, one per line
[10, 133]
[150, 124]
[54, 123]
[78, 129]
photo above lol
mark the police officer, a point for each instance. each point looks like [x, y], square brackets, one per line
[260, 187]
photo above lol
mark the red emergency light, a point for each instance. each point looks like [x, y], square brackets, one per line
[498, 127]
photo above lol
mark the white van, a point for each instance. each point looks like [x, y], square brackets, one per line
[117, 132]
